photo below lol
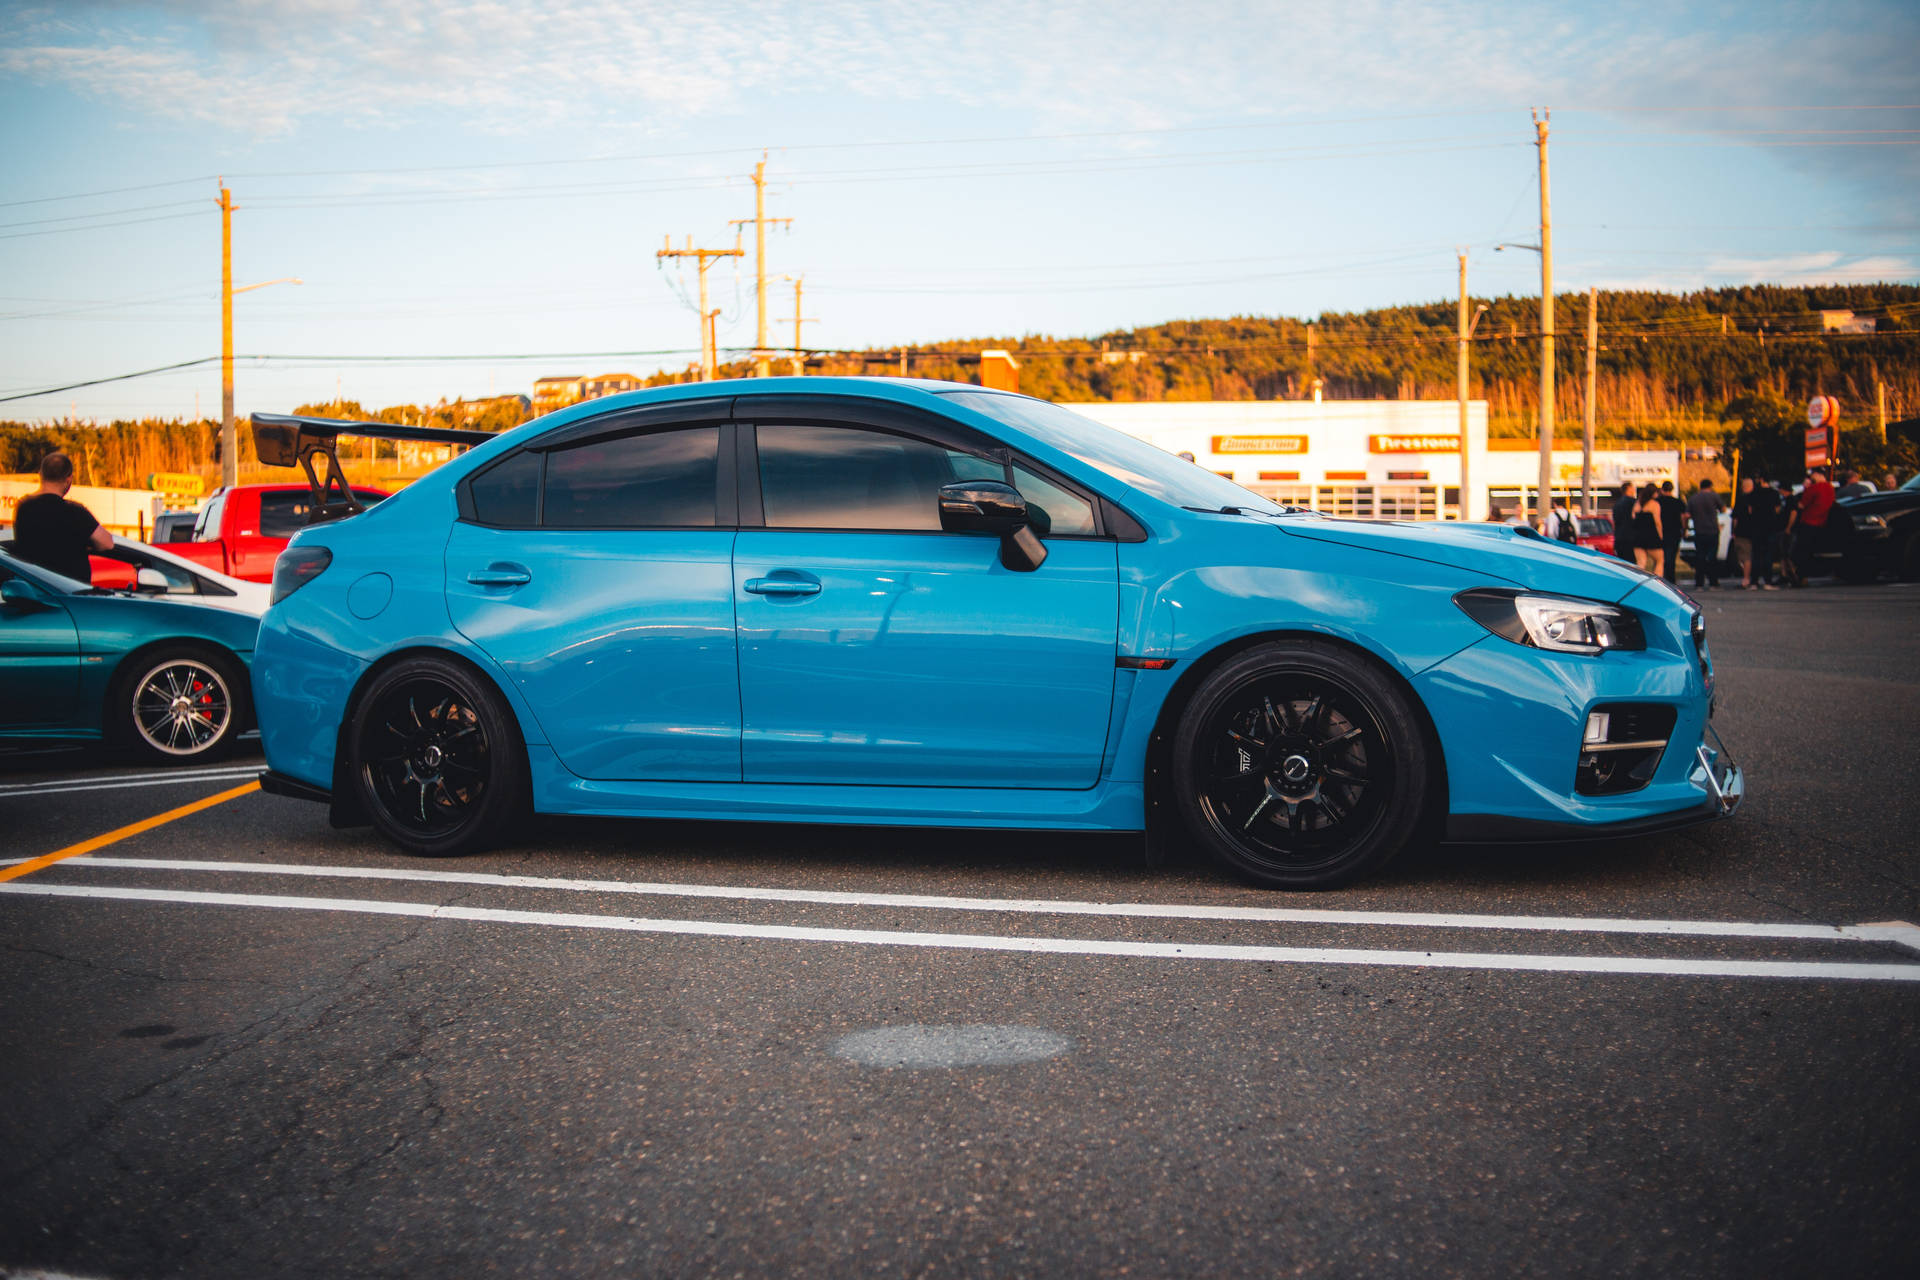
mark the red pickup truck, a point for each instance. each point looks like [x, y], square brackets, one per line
[243, 529]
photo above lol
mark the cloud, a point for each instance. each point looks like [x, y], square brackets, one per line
[503, 66]
[1814, 268]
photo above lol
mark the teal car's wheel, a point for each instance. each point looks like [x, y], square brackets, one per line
[1300, 766]
[179, 704]
[437, 758]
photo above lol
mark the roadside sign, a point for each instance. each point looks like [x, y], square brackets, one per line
[1823, 412]
[177, 483]
[1413, 444]
[1259, 444]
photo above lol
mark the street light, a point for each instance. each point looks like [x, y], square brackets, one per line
[249, 288]
[1543, 494]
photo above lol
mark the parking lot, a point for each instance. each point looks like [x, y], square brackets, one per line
[241, 1043]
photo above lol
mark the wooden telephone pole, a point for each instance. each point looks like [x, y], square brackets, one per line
[762, 357]
[1545, 497]
[706, 258]
[1586, 418]
[798, 361]
[229, 462]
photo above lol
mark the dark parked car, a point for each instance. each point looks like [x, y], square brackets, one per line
[1877, 533]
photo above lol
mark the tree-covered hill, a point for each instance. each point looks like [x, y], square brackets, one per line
[1670, 366]
[1667, 362]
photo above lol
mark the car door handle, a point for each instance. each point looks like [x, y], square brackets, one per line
[500, 574]
[782, 587]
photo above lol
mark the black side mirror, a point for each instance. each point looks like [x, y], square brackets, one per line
[995, 507]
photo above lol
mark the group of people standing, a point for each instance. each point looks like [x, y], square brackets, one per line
[1776, 529]
[1648, 524]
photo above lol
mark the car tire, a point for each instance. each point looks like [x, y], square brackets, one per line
[1301, 765]
[1909, 562]
[437, 761]
[179, 704]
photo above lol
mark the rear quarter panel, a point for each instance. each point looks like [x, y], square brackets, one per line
[314, 648]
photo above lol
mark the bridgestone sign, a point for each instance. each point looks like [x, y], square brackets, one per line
[1259, 444]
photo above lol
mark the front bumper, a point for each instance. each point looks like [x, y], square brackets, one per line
[1714, 769]
[1511, 722]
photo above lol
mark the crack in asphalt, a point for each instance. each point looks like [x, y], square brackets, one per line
[415, 1124]
[95, 1134]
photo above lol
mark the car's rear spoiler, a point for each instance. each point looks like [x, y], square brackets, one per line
[291, 440]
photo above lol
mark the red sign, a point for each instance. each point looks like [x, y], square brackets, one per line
[1819, 445]
[1413, 444]
[1823, 411]
[1259, 444]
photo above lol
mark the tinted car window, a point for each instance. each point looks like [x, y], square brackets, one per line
[847, 478]
[666, 479]
[1166, 476]
[284, 512]
[505, 493]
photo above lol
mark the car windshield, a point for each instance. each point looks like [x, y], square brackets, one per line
[1154, 471]
[1911, 486]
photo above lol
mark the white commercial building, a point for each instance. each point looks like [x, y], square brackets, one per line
[1373, 459]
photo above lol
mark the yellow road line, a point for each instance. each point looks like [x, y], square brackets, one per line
[133, 829]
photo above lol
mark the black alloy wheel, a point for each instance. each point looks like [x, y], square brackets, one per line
[1300, 765]
[437, 758]
[180, 705]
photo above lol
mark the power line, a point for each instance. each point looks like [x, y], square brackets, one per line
[110, 191]
[110, 213]
[101, 226]
[118, 377]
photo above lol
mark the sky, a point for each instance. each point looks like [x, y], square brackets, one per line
[473, 194]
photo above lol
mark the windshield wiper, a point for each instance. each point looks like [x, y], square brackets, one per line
[1241, 511]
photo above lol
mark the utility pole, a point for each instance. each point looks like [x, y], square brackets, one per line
[1546, 323]
[798, 361]
[1460, 388]
[706, 258]
[1586, 422]
[1880, 407]
[229, 464]
[762, 357]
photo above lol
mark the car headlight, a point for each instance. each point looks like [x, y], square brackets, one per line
[1870, 522]
[1562, 624]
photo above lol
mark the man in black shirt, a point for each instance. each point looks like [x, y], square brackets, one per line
[1766, 531]
[1623, 523]
[1673, 523]
[56, 534]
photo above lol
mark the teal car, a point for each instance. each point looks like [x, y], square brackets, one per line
[157, 672]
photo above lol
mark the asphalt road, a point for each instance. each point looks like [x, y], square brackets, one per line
[276, 1064]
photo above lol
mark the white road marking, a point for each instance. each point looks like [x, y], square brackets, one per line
[1892, 931]
[119, 781]
[1826, 970]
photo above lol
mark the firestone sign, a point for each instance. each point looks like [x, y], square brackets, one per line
[1259, 444]
[1413, 444]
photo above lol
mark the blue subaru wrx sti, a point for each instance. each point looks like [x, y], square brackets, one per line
[921, 603]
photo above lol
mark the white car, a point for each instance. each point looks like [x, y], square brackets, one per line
[1721, 553]
[155, 571]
